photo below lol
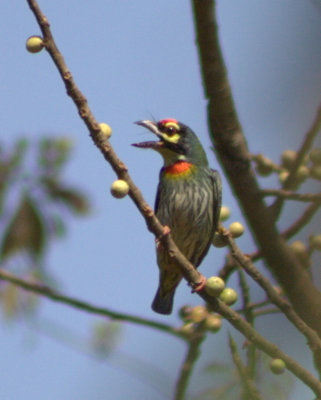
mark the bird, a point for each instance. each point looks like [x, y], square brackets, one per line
[188, 201]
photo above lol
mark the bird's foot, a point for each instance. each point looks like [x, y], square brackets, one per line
[166, 232]
[198, 286]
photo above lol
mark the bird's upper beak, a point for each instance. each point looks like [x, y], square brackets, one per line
[152, 126]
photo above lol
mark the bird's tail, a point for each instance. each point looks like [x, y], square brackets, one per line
[163, 304]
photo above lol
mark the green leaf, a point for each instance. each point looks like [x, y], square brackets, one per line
[25, 232]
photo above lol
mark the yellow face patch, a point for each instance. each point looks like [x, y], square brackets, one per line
[169, 130]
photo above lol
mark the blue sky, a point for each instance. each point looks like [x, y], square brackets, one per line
[138, 60]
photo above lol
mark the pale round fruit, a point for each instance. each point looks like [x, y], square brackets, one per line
[299, 248]
[315, 242]
[214, 286]
[315, 172]
[224, 213]
[315, 155]
[302, 174]
[213, 323]
[119, 188]
[229, 296]
[219, 240]
[106, 129]
[287, 158]
[283, 175]
[198, 313]
[236, 229]
[277, 366]
[34, 44]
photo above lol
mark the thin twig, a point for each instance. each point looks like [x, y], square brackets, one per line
[313, 339]
[288, 195]
[192, 355]
[263, 344]
[249, 389]
[303, 220]
[52, 294]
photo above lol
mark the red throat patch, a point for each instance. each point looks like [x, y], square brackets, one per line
[180, 167]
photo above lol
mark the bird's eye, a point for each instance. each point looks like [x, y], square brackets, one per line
[170, 130]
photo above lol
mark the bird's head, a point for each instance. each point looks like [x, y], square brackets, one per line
[176, 142]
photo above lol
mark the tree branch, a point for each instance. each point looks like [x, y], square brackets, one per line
[49, 293]
[288, 195]
[191, 357]
[231, 148]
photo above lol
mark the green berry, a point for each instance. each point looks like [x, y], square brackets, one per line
[185, 312]
[264, 166]
[225, 213]
[315, 156]
[302, 174]
[299, 248]
[214, 286]
[119, 188]
[34, 44]
[198, 314]
[187, 329]
[229, 296]
[283, 176]
[315, 172]
[219, 240]
[288, 158]
[105, 129]
[277, 366]
[236, 229]
[213, 323]
[315, 242]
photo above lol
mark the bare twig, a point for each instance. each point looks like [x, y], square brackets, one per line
[45, 291]
[288, 195]
[249, 389]
[263, 344]
[192, 355]
[303, 220]
[313, 339]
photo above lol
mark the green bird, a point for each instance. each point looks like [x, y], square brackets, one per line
[188, 201]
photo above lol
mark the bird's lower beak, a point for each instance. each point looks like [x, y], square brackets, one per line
[152, 126]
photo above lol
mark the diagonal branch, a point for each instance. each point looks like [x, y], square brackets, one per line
[45, 291]
[103, 144]
[231, 148]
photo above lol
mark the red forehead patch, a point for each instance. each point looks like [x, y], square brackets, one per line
[166, 121]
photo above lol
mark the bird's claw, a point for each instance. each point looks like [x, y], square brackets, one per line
[198, 286]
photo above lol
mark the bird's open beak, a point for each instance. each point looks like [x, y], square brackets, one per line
[152, 126]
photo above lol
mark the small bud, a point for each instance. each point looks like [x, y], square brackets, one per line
[213, 323]
[315, 242]
[119, 188]
[34, 44]
[315, 172]
[105, 129]
[219, 240]
[225, 213]
[299, 248]
[283, 176]
[301, 174]
[288, 158]
[198, 314]
[229, 296]
[315, 156]
[277, 366]
[236, 229]
[185, 313]
[214, 286]
[187, 329]
[264, 166]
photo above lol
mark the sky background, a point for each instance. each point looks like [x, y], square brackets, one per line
[138, 60]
